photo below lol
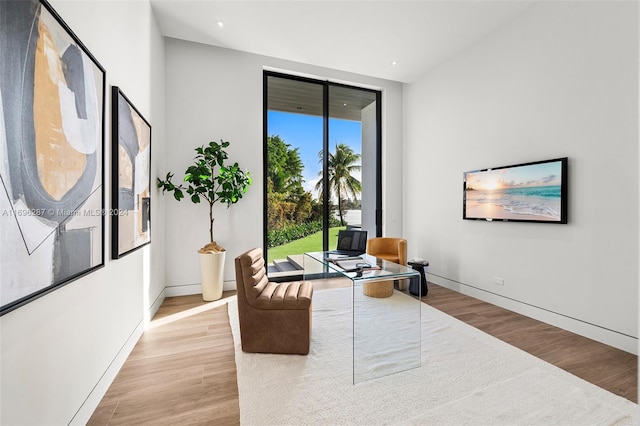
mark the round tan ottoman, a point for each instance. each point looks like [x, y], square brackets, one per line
[378, 289]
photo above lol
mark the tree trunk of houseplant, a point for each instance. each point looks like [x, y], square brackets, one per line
[212, 258]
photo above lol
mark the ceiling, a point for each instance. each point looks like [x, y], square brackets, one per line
[362, 37]
[303, 97]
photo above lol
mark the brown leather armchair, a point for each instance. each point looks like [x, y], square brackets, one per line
[274, 317]
[391, 249]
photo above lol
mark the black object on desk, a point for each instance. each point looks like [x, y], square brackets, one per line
[420, 266]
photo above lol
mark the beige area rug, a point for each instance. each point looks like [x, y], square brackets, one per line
[466, 377]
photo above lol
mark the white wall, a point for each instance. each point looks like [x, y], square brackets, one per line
[215, 93]
[61, 351]
[560, 80]
[368, 196]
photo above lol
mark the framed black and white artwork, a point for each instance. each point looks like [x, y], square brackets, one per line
[131, 176]
[52, 94]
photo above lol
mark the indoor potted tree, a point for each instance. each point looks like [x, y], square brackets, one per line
[212, 180]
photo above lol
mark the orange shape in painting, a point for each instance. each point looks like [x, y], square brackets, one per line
[60, 166]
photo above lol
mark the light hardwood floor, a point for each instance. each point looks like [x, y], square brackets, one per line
[182, 371]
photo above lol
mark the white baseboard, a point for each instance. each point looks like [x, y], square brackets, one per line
[182, 290]
[90, 404]
[100, 389]
[187, 289]
[602, 335]
[156, 305]
[229, 285]
[92, 401]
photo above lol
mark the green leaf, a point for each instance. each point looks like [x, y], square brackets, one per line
[225, 185]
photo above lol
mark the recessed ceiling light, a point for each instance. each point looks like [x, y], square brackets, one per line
[344, 104]
[220, 24]
[394, 63]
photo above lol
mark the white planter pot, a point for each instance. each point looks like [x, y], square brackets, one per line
[212, 274]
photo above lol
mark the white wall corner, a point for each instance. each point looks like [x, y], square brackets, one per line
[156, 304]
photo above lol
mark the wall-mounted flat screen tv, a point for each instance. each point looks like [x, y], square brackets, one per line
[530, 192]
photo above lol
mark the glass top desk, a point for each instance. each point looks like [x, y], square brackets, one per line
[386, 321]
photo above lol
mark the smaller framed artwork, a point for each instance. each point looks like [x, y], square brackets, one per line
[131, 177]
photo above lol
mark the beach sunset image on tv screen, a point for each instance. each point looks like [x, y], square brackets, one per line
[532, 192]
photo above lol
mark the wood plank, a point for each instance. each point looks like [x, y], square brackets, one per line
[182, 370]
[605, 366]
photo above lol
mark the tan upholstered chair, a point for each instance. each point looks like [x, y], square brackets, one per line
[391, 249]
[274, 317]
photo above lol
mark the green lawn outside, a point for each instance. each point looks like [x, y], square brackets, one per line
[309, 243]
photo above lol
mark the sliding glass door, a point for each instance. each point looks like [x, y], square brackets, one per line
[322, 173]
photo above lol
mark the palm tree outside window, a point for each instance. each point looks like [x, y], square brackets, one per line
[343, 186]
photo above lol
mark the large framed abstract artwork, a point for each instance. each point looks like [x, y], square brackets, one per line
[52, 94]
[131, 176]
